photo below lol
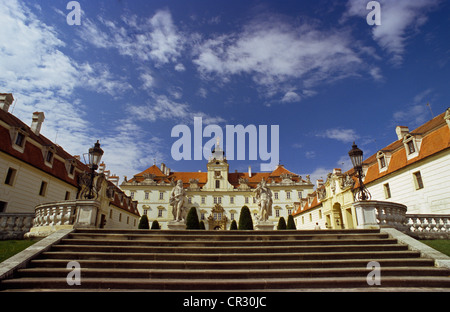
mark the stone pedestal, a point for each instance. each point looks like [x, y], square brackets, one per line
[175, 225]
[264, 226]
[366, 215]
[86, 213]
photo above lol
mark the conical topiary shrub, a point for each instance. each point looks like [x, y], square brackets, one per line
[245, 219]
[291, 223]
[202, 225]
[155, 225]
[233, 225]
[281, 224]
[143, 223]
[192, 222]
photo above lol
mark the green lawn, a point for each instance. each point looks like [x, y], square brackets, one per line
[9, 248]
[442, 245]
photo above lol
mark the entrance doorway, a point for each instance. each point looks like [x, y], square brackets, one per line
[337, 216]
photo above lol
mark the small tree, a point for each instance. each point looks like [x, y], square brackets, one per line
[155, 225]
[192, 222]
[202, 225]
[143, 223]
[281, 224]
[291, 223]
[245, 219]
[233, 225]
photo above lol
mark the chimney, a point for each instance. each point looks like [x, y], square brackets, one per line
[36, 122]
[163, 168]
[249, 171]
[6, 100]
[401, 131]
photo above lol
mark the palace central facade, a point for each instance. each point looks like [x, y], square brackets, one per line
[217, 194]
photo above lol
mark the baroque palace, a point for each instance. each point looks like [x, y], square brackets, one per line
[217, 193]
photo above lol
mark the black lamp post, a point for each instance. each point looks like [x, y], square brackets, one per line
[356, 156]
[95, 155]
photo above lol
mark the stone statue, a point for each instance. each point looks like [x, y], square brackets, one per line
[264, 200]
[177, 200]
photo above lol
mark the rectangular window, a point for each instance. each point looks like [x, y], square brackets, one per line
[203, 200]
[246, 199]
[146, 195]
[120, 217]
[10, 176]
[217, 183]
[202, 216]
[189, 200]
[387, 191]
[277, 213]
[145, 212]
[219, 200]
[288, 195]
[110, 213]
[3, 206]
[289, 212]
[299, 194]
[49, 157]
[161, 195]
[71, 169]
[231, 199]
[275, 195]
[43, 189]
[418, 180]
[132, 194]
[382, 162]
[232, 216]
[20, 139]
[411, 148]
[67, 196]
[160, 213]
[254, 200]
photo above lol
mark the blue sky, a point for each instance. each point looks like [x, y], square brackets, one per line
[135, 69]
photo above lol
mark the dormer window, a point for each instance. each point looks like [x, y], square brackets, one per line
[18, 138]
[383, 160]
[70, 167]
[48, 152]
[412, 145]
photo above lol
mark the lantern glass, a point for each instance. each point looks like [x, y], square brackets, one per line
[356, 156]
[95, 155]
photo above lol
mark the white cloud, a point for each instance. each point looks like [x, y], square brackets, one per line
[417, 112]
[399, 19]
[273, 52]
[343, 135]
[155, 38]
[162, 107]
[290, 97]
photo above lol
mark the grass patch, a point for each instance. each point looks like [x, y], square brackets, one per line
[9, 248]
[442, 245]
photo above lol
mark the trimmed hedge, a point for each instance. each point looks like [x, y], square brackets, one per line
[192, 222]
[291, 223]
[233, 225]
[155, 225]
[245, 219]
[143, 223]
[281, 224]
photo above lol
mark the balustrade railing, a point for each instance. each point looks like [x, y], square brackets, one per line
[15, 225]
[427, 223]
[51, 214]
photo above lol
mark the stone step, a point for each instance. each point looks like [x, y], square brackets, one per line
[223, 285]
[226, 244]
[230, 250]
[228, 273]
[237, 236]
[223, 265]
[77, 255]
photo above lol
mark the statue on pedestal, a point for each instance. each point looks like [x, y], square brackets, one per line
[264, 200]
[177, 200]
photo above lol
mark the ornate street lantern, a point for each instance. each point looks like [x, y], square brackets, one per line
[356, 156]
[95, 155]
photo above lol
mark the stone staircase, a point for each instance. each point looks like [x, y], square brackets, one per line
[227, 260]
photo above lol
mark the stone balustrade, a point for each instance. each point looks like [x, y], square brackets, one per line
[51, 214]
[428, 225]
[391, 215]
[15, 225]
